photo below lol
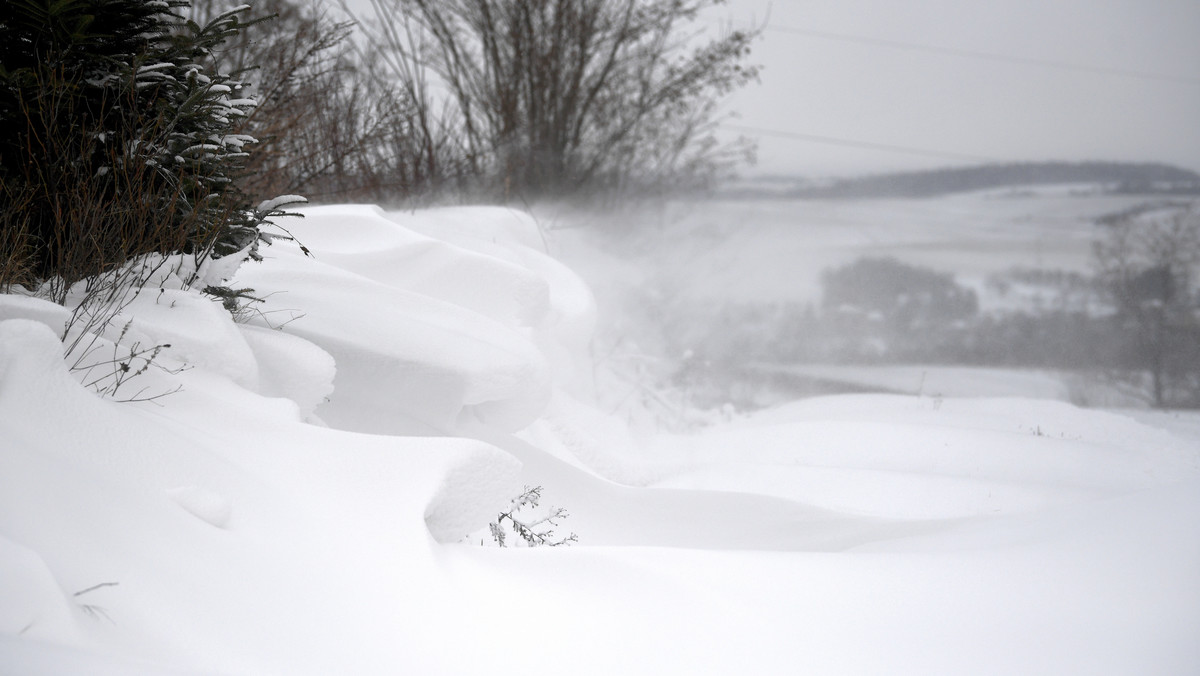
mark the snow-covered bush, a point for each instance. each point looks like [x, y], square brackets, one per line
[120, 139]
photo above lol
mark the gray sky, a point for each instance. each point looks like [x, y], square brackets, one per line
[901, 74]
[831, 70]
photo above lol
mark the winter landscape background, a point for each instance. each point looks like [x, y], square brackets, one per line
[908, 398]
[278, 515]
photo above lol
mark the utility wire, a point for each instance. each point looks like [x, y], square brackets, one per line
[987, 56]
[886, 147]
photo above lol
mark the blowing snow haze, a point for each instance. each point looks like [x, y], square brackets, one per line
[932, 181]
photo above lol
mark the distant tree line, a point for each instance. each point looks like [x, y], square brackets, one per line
[1121, 177]
[1136, 320]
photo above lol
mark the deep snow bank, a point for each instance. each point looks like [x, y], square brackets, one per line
[205, 517]
[272, 517]
[457, 334]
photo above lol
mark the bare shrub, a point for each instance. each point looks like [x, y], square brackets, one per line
[550, 98]
[331, 123]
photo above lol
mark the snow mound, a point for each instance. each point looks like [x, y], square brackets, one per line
[53, 315]
[31, 603]
[471, 492]
[442, 363]
[197, 330]
[101, 492]
[28, 348]
[484, 260]
[363, 240]
[291, 367]
[500, 225]
[565, 330]
[212, 508]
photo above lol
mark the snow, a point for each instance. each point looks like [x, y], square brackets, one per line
[443, 362]
[940, 381]
[390, 254]
[94, 488]
[891, 456]
[312, 500]
[282, 200]
[53, 315]
[212, 508]
[197, 330]
[290, 368]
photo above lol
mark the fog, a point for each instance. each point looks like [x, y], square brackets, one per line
[729, 302]
[738, 303]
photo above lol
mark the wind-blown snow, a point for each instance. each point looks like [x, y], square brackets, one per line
[53, 315]
[300, 505]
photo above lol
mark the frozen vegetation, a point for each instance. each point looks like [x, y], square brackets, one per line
[306, 490]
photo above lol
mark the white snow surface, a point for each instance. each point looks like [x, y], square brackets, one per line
[300, 505]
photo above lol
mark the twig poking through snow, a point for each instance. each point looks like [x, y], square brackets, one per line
[94, 611]
[95, 587]
[537, 532]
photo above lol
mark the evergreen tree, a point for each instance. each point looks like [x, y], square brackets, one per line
[119, 137]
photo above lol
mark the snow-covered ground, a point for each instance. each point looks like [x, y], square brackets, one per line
[313, 499]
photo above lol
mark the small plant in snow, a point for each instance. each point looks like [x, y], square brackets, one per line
[240, 302]
[92, 610]
[271, 209]
[236, 301]
[127, 363]
[243, 306]
[532, 529]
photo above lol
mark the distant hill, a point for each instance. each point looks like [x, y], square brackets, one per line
[1116, 177]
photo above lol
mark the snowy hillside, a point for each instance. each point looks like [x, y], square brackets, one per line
[313, 498]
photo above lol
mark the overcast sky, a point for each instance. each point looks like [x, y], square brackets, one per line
[876, 85]
[920, 75]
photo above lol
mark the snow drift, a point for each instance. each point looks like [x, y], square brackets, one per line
[300, 505]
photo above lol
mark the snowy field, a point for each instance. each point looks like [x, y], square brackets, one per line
[314, 497]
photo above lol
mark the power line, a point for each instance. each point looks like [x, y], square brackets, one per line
[852, 143]
[987, 56]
